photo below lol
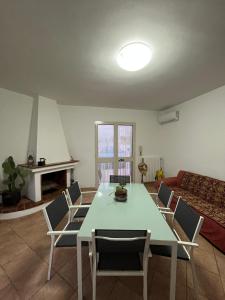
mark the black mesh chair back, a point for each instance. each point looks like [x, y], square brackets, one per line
[120, 246]
[187, 217]
[74, 191]
[164, 194]
[122, 179]
[57, 210]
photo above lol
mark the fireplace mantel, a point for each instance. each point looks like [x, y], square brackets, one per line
[47, 167]
[34, 182]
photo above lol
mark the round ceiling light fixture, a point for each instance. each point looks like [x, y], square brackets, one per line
[134, 56]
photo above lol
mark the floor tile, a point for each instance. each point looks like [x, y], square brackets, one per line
[27, 272]
[24, 254]
[201, 256]
[11, 248]
[69, 269]
[220, 260]
[4, 279]
[56, 289]
[191, 295]
[119, 291]
[210, 285]
[9, 293]
[160, 288]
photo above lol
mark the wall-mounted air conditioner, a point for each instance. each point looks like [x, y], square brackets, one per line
[166, 117]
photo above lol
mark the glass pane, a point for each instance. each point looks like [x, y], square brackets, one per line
[105, 140]
[124, 168]
[124, 141]
[104, 171]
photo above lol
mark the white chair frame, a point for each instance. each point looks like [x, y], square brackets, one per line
[74, 208]
[143, 272]
[53, 234]
[188, 246]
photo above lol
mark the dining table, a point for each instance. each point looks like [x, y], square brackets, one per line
[138, 212]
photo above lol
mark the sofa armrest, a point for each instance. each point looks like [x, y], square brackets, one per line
[170, 181]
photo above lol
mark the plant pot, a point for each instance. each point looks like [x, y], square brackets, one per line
[11, 198]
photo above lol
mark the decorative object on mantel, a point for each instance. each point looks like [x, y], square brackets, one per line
[143, 168]
[121, 193]
[41, 162]
[13, 195]
[30, 160]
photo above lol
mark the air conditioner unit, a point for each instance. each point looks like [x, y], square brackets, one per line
[166, 117]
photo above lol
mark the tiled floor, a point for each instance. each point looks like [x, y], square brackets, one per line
[24, 249]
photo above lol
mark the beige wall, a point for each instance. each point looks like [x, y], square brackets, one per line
[197, 141]
[79, 126]
[15, 117]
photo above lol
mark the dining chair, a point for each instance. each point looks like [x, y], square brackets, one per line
[121, 179]
[165, 195]
[190, 222]
[120, 253]
[67, 237]
[74, 198]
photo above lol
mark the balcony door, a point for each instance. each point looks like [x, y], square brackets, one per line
[114, 150]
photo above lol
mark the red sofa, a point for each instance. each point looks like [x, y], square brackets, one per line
[207, 196]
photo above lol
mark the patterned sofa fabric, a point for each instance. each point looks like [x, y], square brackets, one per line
[204, 207]
[207, 196]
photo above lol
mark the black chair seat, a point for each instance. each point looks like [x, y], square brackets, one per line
[119, 261]
[81, 212]
[69, 240]
[166, 251]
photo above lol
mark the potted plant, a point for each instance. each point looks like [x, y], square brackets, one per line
[15, 181]
[120, 193]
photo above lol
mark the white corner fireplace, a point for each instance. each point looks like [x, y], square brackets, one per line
[48, 177]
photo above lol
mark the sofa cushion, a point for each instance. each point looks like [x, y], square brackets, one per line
[184, 181]
[206, 189]
[206, 208]
[194, 183]
[219, 193]
[180, 175]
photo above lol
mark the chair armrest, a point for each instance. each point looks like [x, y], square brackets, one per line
[153, 194]
[187, 243]
[164, 208]
[79, 206]
[167, 212]
[63, 232]
[88, 192]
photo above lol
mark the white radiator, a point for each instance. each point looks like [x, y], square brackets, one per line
[153, 163]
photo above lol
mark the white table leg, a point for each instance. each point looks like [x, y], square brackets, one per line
[173, 269]
[79, 269]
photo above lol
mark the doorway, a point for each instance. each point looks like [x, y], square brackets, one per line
[114, 150]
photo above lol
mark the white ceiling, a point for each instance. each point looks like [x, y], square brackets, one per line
[66, 50]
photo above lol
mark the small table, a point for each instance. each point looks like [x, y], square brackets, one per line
[138, 212]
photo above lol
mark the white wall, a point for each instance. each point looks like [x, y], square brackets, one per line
[51, 142]
[197, 141]
[15, 117]
[79, 127]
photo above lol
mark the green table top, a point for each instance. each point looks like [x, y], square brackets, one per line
[138, 212]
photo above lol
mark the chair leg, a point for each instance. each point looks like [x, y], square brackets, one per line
[50, 258]
[94, 283]
[195, 279]
[145, 282]
[145, 287]
[90, 256]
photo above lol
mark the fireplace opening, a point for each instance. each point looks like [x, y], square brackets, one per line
[52, 182]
